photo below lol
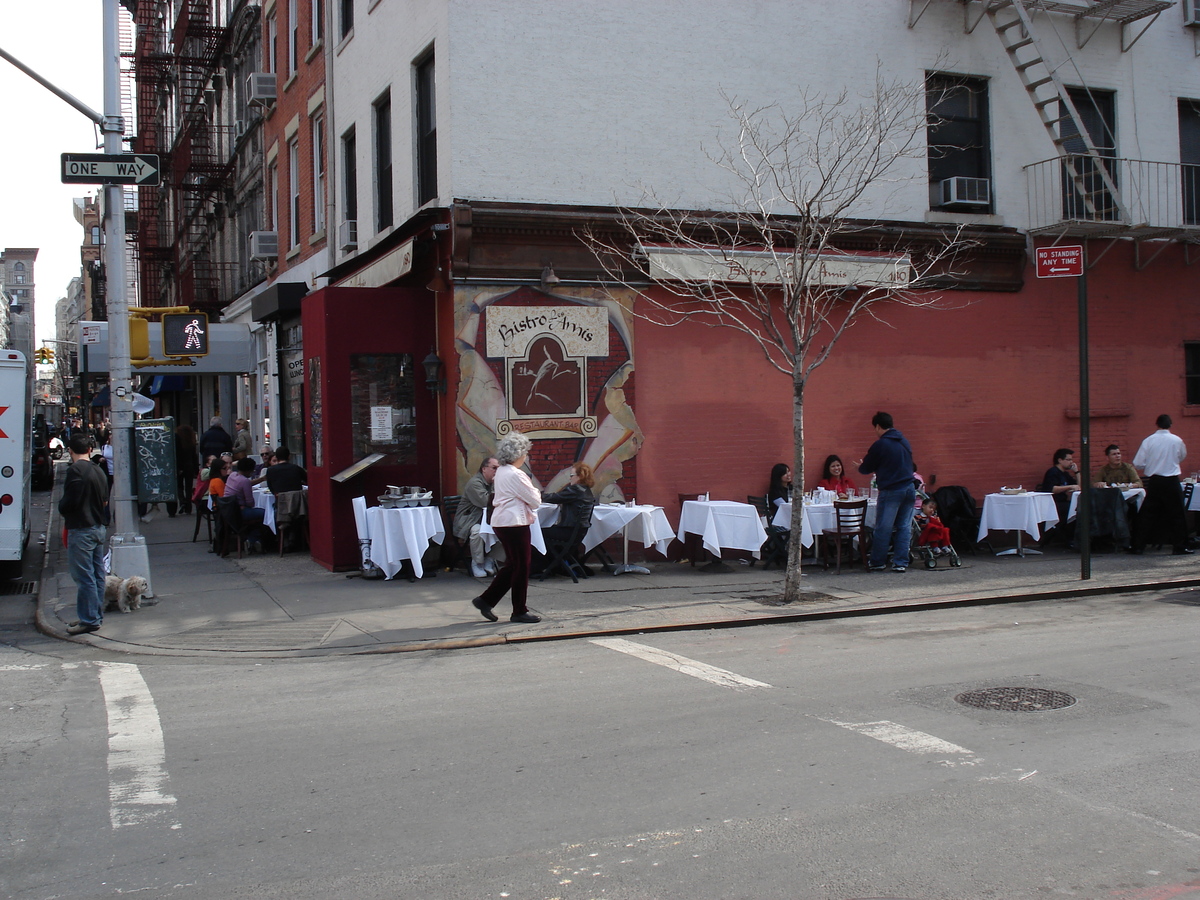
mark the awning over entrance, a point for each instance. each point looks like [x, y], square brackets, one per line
[162, 384]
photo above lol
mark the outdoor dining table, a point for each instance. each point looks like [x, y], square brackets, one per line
[644, 523]
[265, 500]
[1022, 513]
[817, 517]
[547, 515]
[723, 523]
[1138, 495]
[399, 534]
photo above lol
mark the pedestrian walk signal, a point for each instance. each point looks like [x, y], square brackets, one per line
[185, 334]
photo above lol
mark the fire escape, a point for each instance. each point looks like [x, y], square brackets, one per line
[178, 93]
[1085, 190]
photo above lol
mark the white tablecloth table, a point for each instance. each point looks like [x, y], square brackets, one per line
[265, 500]
[547, 515]
[817, 517]
[644, 523]
[723, 523]
[1138, 495]
[400, 534]
[1022, 513]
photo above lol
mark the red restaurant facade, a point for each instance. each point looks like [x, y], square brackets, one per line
[513, 304]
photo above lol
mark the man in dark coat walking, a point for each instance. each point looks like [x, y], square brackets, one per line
[890, 460]
[215, 441]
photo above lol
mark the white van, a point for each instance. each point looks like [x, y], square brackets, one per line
[16, 448]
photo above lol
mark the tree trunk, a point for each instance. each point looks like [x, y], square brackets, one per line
[791, 584]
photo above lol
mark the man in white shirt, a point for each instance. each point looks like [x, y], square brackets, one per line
[1162, 517]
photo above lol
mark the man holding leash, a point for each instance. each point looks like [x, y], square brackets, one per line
[85, 492]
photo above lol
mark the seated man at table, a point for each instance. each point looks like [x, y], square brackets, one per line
[238, 485]
[1114, 471]
[469, 516]
[284, 475]
[1061, 480]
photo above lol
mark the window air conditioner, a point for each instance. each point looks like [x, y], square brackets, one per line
[1191, 13]
[962, 191]
[260, 88]
[264, 245]
[348, 235]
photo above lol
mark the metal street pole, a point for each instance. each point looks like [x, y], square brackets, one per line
[129, 554]
[1083, 522]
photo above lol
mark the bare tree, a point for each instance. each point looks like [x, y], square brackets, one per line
[774, 266]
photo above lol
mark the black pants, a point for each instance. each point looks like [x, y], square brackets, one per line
[514, 574]
[1162, 519]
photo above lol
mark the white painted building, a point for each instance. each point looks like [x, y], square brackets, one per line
[594, 103]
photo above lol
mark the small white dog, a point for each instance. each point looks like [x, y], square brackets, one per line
[124, 594]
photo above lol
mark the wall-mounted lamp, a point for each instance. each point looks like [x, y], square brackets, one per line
[549, 279]
[433, 373]
[439, 281]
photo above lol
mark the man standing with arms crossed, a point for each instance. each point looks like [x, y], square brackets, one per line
[1162, 512]
[890, 459]
[85, 491]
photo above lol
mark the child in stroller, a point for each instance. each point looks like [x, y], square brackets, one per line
[931, 537]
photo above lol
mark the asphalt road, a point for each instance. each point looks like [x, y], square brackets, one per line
[828, 760]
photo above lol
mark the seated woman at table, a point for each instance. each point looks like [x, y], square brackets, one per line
[780, 490]
[833, 477]
[575, 503]
[218, 471]
[238, 485]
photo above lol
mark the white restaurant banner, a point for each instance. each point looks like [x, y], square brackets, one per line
[582, 330]
[763, 267]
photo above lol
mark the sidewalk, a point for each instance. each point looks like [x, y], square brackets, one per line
[270, 606]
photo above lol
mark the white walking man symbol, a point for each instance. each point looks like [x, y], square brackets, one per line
[193, 331]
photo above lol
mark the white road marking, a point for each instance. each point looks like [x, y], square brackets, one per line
[682, 664]
[137, 759]
[911, 740]
[28, 668]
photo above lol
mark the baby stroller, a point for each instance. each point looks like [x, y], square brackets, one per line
[930, 555]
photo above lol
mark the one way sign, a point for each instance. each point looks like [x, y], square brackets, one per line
[106, 168]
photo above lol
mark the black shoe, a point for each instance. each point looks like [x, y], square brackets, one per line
[80, 628]
[1182, 551]
[527, 617]
[1136, 551]
[485, 609]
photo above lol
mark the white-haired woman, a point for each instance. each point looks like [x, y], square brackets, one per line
[514, 507]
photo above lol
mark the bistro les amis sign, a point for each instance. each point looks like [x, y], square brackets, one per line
[763, 267]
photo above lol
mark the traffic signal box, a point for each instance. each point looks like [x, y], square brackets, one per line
[44, 356]
[139, 338]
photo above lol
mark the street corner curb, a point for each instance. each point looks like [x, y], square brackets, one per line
[447, 644]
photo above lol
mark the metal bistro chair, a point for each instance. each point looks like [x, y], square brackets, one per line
[851, 523]
[203, 514]
[231, 524]
[692, 545]
[452, 552]
[560, 552]
[775, 548]
[291, 517]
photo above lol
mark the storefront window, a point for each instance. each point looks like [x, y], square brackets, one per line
[383, 408]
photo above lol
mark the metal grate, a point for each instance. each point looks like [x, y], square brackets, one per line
[18, 587]
[1016, 699]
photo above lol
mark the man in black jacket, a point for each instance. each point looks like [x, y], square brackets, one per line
[215, 441]
[85, 491]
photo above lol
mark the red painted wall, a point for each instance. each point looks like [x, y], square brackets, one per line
[338, 323]
[985, 391]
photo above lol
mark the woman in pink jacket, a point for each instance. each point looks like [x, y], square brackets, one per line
[514, 507]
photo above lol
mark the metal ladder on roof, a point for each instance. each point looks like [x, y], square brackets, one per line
[1088, 171]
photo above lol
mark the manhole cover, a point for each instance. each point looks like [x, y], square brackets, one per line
[1016, 699]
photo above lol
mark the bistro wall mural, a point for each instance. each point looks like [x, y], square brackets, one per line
[556, 367]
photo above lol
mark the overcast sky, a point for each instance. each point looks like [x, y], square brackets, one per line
[61, 41]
